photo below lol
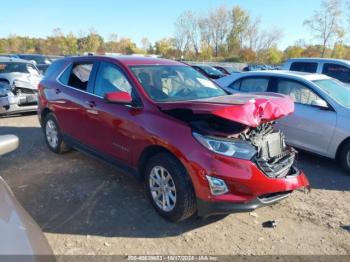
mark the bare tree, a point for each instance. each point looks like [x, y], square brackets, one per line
[252, 34]
[188, 31]
[326, 23]
[145, 44]
[218, 22]
[240, 22]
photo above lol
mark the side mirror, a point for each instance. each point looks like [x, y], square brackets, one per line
[119, 98]
[8, 143]
[319, 103]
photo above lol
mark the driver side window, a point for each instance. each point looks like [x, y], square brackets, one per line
[298, 92]
[110, 79]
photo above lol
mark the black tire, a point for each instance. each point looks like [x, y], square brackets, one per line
[185, 205]
[61, 147]
[344, 155]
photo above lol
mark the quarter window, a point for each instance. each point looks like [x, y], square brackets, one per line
[339, 72]
[111, 79]
[77, 76]
[307, 67]
[297, 91]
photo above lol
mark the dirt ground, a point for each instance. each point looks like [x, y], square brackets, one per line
[85, 207]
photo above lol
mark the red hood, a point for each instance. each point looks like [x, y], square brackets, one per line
[248, 109]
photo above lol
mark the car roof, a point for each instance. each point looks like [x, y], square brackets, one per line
[318, 59]
[130, 60]
[4, 59]
[276, 73]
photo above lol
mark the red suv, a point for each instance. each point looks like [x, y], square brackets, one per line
[198, 149]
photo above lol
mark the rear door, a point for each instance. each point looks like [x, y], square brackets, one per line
[73, 96]
[309, 127]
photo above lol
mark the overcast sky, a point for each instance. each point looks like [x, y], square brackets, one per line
[136, 19]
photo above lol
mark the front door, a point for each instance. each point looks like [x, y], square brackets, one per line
[310, 127]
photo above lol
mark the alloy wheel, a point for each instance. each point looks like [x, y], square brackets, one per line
[162, 188]
[51, 133]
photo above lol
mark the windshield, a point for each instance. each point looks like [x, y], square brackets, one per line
[175, 83]
[336, 90]
[13, 67]
[212, 71]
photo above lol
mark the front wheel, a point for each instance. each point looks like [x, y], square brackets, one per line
[344, 157]
[170, 188]
[53, 135]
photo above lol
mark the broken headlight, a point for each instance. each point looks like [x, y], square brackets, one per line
[235, 148]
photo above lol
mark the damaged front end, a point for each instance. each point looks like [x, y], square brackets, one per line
[273, 156]
[249, 135]
[21, 96]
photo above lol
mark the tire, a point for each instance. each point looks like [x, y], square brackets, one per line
[53, 135]
[184, 205]
[344, 157]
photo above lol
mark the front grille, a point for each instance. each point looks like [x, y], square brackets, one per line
[26, 91]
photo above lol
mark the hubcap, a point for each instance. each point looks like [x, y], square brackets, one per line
[162, 188]
[51, 133]
[348, 158]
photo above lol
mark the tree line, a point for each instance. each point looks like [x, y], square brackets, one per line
[223, 34]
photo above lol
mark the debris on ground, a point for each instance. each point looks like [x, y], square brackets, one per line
[270, 223]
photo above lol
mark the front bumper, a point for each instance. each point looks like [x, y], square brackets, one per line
[14, 104]
[249, 187]
[207, 208]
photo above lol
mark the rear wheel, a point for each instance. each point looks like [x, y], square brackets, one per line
[53, 135]
[170, 188]
[344, 157]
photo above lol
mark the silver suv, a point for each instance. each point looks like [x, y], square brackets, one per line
[335, 68]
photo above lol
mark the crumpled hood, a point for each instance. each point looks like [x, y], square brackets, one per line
[249, 109]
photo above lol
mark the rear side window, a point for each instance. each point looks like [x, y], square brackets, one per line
[256, 84]
[339, 72]
[77, 75]
[298, 92]
[308, 67]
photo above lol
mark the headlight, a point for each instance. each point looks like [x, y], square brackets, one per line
[235, 148]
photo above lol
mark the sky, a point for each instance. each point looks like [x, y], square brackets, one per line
[136, 19]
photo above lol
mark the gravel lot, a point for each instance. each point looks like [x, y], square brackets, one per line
[85, 207]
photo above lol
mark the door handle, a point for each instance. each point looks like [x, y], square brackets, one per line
[90, 104]
[57, 91]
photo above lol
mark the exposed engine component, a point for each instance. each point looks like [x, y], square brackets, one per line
[274, 157]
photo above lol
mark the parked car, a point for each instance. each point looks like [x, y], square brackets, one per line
[42, 62]
[9, 55]
[197, 148]
[18, 85]
[335, 68]
[209, 71]
[20, 235]
[227, 70]
[321, 121]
